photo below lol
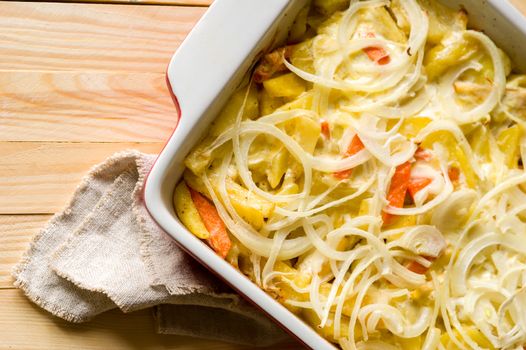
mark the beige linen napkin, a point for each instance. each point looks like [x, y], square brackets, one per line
[104, 251]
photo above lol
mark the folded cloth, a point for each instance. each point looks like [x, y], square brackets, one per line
[104, 251]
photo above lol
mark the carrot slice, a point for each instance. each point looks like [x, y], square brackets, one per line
[416, 184]
[398, 189]
[453, 173]
[377, 54]
[355, 147]
[325, 129]
[218, 239]
[417, 267]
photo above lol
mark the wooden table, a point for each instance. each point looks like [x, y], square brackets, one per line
[79, 81]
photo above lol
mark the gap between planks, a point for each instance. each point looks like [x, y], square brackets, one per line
[40, 177]
[85, 107]
[92, 37]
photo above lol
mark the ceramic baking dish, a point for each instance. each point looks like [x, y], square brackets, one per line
[207, 68]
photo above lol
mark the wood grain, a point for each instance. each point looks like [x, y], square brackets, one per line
[94, 106]
[145, 2]
[520, 4]
[25, 326]
[16, 231]
[40, 177]
[87, 37]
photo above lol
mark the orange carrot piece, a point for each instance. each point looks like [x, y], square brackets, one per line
[355, 147]
[398, 189]
[377, 54]
[453, 173]
[416, 184]
[418, 268]
[342, 175]
[325, 129]
[219, 239]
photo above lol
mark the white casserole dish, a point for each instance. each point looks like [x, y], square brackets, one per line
[206, 70]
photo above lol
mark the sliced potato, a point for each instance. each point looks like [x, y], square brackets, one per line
[278, 167]
[228, 115]
[411, 126]
[328, 7]
[268, 104]
[304, 101]
[442, 20]
[287, 86]
[476, 335]
[301, 56]
[509, 144]
[305, 131]
[196, 183]
[299, 27]
[452, 51]
[252, 208]
[378, 21]
[187, 212]
[456, 153]
[410, 343]
[200, 157]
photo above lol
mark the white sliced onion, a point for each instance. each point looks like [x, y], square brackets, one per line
[446, 90]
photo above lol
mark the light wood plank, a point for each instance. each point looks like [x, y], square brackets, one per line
[25, 326]
[84, 37]
[16, 232]
[95, 106]
[146, 2]
[109, 329]
[40, 177]
[520, 4]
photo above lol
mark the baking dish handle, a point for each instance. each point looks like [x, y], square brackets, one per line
[217, 53]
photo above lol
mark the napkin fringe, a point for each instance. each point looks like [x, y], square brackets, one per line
[103, 251]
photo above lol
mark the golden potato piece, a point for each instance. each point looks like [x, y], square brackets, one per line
[278, 167]
[200, 157]
[196, 183]
[305, 131]
[252, 208]
[301, 56]
[304, 101]
[328, 7]
[268, 104]
[508, 141]
[287, 85]
[228, 115]
[451, 52]
[187, 212]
